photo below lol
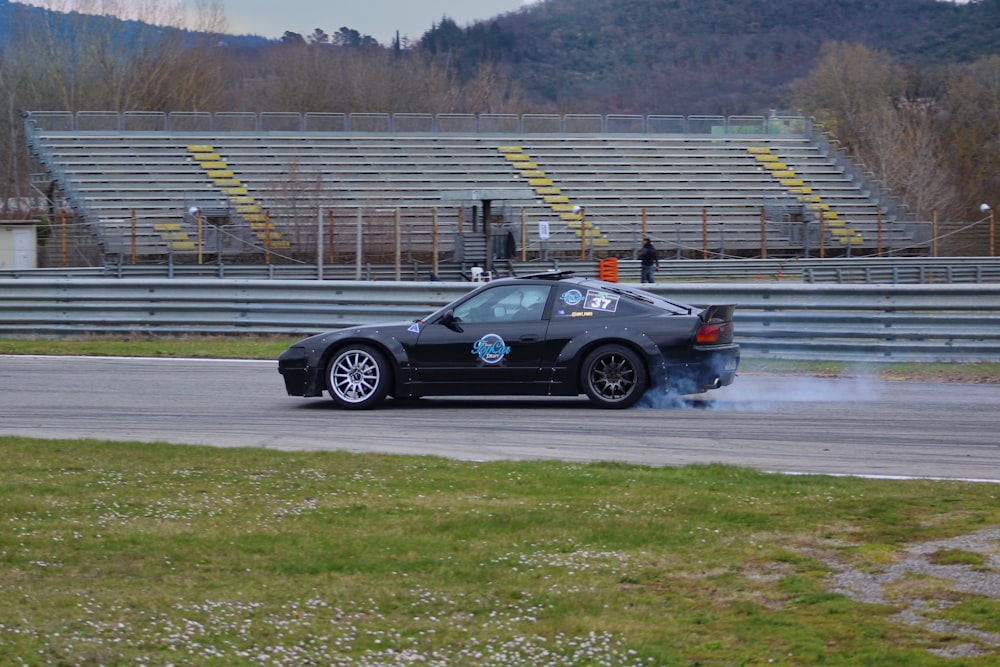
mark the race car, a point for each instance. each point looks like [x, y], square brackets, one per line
[548, 334]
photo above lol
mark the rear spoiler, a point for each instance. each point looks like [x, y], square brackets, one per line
[718, 313]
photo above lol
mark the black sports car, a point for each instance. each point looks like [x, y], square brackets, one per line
[548, 334]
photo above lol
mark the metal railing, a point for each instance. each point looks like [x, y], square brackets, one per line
[866, 270]
[406, 123]
[863, 323]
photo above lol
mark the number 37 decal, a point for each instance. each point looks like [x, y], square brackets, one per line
[597, 300]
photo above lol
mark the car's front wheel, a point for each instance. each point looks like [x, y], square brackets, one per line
[358, 377]
[614, 377]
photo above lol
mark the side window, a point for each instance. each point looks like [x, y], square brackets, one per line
[573, 301]
[532, 304]
[507, 303]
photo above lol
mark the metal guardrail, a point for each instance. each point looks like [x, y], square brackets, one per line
[863, 323]
[866, 270]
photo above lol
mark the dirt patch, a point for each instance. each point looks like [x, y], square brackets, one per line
[921, 589]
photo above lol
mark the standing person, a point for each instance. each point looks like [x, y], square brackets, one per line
[650, 261]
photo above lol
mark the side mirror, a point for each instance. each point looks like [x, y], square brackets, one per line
[448, 319]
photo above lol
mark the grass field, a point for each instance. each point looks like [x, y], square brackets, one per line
[119, 554]
[139, 554]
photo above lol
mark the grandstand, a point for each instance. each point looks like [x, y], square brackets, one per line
[191, 187]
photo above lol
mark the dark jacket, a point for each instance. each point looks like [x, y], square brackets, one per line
[648, 255]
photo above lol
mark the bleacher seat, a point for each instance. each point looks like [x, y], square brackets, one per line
[688, 190]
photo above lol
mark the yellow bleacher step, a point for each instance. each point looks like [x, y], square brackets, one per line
[235, 191]
[174, 236]
[556, 199]
[756, 150]
[601, 242]
[518, 157]
[801, 191]
[167, 227]
[220, 173]
[766, 157]
[783, 173]
[569, 216]
[182, 245]
[242, 199]
[551, 190]
[533, 173]
[213, 164]
[536, 182]
[525, 165]
[559, 207]
[778, 166]
[508, 148]
[790, 182]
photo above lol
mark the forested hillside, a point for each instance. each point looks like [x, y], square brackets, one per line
[703, 56]
[641, 56]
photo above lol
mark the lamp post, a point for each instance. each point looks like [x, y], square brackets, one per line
[196, 213]
[993, 236]
[583, 231]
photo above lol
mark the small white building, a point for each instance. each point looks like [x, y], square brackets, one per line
[18, 245]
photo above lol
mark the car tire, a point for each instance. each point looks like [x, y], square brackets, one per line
[358, 377]
[614, 377]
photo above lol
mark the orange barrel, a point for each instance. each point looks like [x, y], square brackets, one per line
[607, 269]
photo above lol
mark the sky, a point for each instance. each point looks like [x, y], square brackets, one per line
[378, 18]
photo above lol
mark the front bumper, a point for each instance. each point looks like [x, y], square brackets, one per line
[302, 378]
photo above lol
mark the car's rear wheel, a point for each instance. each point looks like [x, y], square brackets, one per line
[358, 377]
[614, 377]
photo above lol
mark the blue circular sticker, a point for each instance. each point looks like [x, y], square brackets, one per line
[572, 297]
[491, 349]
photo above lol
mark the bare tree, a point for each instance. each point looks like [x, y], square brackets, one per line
[972, 109]
[903, 146]
[848, 81]
[491, 91]
[91, 54]
[13, 84]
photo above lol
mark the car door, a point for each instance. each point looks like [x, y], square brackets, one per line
[492, 343]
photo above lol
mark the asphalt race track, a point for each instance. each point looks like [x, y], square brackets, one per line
[790, 424]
